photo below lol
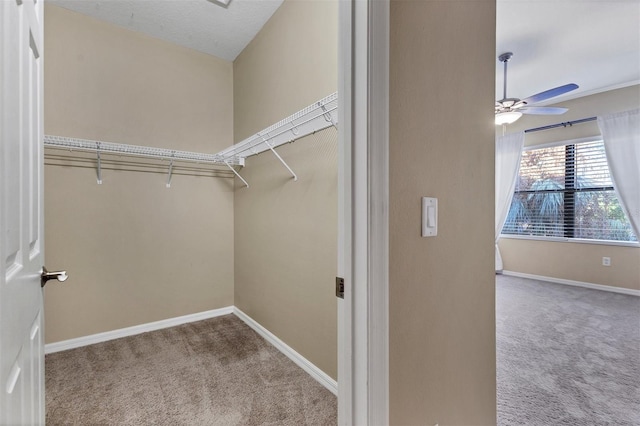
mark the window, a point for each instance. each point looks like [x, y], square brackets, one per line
[566, 191]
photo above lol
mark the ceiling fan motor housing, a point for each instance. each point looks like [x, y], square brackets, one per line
[505, 56]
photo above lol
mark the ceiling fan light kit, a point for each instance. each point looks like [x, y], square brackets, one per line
[508, 110]
[507, 117]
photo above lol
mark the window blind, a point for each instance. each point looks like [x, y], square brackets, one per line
[566, 191]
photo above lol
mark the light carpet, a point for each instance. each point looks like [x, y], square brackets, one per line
[566, 355]
[213, 372]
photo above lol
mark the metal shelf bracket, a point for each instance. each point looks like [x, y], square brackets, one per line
[236, 173]
[266, 141]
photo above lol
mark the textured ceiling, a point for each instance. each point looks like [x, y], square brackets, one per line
[593, 43]
[198, 24]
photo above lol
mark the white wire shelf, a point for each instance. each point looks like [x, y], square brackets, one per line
[315, 117]
[142, 151]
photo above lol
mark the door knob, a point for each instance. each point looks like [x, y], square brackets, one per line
[46, 276]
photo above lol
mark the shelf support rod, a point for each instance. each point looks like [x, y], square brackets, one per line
[99, 164]
[236, 173]
[170, 171]
[295, 177]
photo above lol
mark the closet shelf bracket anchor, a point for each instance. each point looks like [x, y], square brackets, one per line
[236, 173]
[327, 115]
[266, 142]
[168, 185]
[99, 164]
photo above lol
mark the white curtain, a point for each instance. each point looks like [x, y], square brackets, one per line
[508, 154]
[621, 135]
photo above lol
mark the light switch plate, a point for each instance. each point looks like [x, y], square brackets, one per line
[429, 217]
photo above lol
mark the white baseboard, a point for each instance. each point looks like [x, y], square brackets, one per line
[136, 329]
[322, 378]
[610, 288]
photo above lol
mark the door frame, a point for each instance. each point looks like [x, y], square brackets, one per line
[363, 202]
[363, 252]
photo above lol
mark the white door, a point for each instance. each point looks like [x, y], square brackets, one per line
[21, 216]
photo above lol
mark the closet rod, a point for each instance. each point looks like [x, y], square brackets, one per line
[137, 150]
[564, 124]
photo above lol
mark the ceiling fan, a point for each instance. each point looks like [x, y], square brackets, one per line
[508, 110]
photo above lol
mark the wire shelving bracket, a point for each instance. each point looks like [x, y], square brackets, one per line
[284, 163]
[236, 173]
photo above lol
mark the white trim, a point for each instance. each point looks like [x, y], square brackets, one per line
[323, 378]
[632, 244]
[378, 194]
[345, 213]
[601, 287]
[136, 329]
[359, 212]
[363, 329]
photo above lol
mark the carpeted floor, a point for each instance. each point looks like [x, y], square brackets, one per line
[566, 355]
[212, 372]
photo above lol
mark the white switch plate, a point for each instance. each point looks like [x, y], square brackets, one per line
[429, 217]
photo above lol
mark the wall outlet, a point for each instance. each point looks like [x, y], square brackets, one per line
[606, 261]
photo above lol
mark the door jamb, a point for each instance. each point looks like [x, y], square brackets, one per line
[363, 176]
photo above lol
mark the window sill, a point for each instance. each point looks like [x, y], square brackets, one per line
[572, 240]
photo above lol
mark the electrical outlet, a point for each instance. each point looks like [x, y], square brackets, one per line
[606, 261]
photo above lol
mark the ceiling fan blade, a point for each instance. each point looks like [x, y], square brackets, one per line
[551, 93]
[543, 110]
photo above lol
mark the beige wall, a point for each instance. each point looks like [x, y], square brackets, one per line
[135, 251]
[442, 306]
[286, 231]
[292, 62]
[575, 261]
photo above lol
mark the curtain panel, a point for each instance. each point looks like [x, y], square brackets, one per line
[621, 135]
[508, 155]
